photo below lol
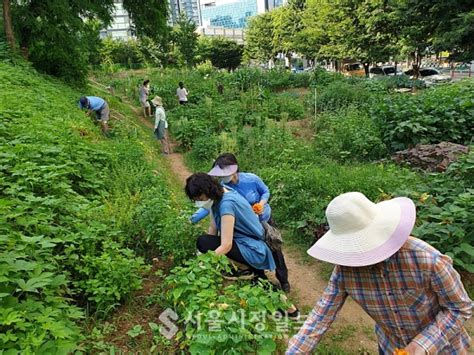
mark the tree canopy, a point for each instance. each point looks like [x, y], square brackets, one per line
[186, 39]
[58, 38]
[368, 31]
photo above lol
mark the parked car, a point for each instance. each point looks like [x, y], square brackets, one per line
[297, 70]
[430, 76]
[353, 69]
[386, 70]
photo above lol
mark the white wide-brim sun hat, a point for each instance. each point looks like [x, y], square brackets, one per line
[363, 233]
[157, 101]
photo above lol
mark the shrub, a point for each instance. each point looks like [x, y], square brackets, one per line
[348, 135]
[444, 208]
[270, 145]
[164, 226]
[187, 130]
[106, 278]
[401, 81]
[339, 94]
[321, 77]
[215, 317]
[285, 103]
[300, 196]
[222, 52]
[279, 79]
[205, 147]
[440, 114]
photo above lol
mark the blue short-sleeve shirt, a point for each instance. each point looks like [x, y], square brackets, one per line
[248, 231]
[254, 190]
[95, 103]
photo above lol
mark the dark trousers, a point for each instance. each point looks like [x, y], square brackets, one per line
[208, 242]
[281, 271]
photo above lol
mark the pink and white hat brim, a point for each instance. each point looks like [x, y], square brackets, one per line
[378, 241]
[221, 172]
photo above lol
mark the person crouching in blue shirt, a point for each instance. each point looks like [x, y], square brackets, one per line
[99, 106]
[234, 229]
[254, 190]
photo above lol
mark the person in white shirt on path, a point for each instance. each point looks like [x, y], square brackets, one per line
[182, 94]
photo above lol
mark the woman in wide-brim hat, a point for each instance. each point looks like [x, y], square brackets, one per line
[161, 125]
[364, 233]
[409, 288]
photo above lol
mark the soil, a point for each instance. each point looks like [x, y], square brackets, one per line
[301, 129]
[132, 312]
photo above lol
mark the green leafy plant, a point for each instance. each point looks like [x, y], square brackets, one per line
[348, 134]
[439, 114]
[212, 309]
[136, 331]
[444, 205]
[70, 205]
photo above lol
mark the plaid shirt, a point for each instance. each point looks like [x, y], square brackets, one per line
[415, 295]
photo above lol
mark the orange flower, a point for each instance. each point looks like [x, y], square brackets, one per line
[400, 352]
[258, 208]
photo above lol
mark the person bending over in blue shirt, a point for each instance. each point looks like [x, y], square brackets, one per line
[234, 229]
[99, 106]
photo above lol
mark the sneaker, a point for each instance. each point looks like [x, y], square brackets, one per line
[239, 275]
[295, 315]
[286, 287]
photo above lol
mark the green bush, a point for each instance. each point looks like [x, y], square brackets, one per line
[339, 94]
[286, 103]
[242, 312]
[106, 278]
[270, 145]
[400, 81]
[164, 226]
[444, 113]
[205, 147]
[348, 134]
[279, 79]
[300, 196]
[444, 208]
[186, 131]
[321, 77]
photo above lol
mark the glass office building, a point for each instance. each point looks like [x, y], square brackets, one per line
[189, 7]
[121, 26]
[227, 14]
[233, 13]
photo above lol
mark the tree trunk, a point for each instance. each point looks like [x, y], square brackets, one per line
[366, 69]
[7, 25]
[416, 64]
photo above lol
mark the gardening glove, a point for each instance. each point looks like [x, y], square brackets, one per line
[258, 208]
